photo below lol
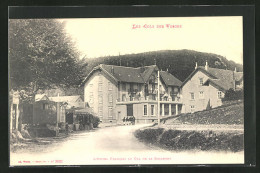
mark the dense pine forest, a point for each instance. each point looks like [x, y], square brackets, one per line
[179, 62]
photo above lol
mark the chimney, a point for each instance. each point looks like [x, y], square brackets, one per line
[206, 66]
[167, 69]
[235, 69]
[154, 61]
[196, 66]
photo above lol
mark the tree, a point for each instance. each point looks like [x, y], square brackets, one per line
[42, 55]
[233, 95]
[208, 105]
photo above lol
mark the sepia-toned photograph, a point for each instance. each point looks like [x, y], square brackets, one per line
[126, 91]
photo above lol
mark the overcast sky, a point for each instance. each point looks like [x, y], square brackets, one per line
[110, 36]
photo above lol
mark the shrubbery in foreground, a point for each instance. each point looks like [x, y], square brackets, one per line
[185, 140]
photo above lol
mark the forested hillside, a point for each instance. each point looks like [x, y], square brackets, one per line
[179, 62]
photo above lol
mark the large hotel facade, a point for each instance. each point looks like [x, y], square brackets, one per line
[115, 92]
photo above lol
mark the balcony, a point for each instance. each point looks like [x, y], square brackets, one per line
[152, 92]
[149, 99]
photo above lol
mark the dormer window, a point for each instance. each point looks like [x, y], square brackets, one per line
[201, 81]
[123, 86]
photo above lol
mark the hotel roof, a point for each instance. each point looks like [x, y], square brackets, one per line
[135, 75]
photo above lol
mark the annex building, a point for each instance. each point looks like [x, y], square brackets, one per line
[206, 86]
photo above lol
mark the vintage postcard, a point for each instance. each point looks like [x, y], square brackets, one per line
[126, 91]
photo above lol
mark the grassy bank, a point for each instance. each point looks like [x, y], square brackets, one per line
[220, 128]
[227, 114]
[191, 139]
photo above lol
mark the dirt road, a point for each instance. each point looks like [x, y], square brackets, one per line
[111, 145]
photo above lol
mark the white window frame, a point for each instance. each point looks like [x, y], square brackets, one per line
[110, 98]
[152, 110]
[192, 108]
[201, 80]
[100, 99]
[123, 97]
[219, 94]
[100, 111]
[146, 110]
[100, 87]
[110, 112]
[110, 87]
[201, 96]
[192, 93]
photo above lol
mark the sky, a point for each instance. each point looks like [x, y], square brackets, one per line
[96, 37]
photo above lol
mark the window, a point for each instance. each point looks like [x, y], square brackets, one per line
[100, 111]
[145, 109]
[152, 109]
[175, 90]
[100, 87]
[123, 97]
[100, 99]
[201, 94]
[110, 111]
[91, 86]
[153, 87]
[123, 86]
[110, 87]
[44, 106]
[192, 97]
[110, 98]
[139, 87]
[100, 78]
[192, 108]
[219, 94]
[201, 81]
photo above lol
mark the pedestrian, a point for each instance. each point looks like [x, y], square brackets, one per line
[133, 120]
[124, 120]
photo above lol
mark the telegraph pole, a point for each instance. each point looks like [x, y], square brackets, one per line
[158, 97]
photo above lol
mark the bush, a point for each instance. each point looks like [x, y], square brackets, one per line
[149, 135]
[188, 140]
[233, 95]
[236, 143]
[170, 138]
